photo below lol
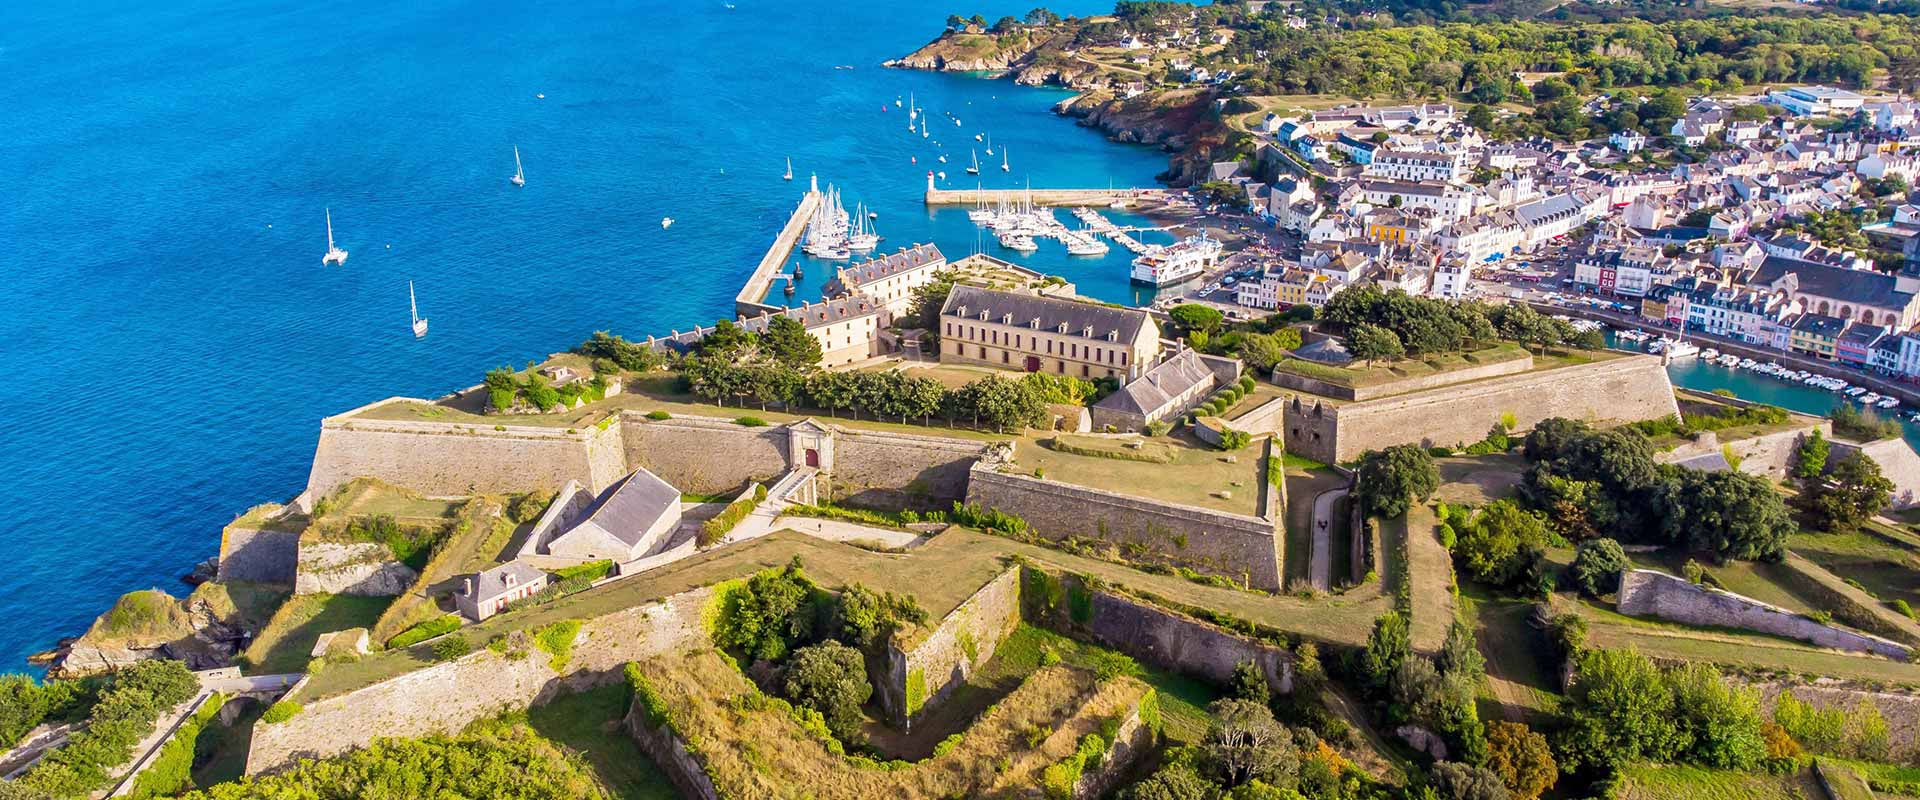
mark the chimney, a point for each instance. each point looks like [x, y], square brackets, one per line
[469, 586]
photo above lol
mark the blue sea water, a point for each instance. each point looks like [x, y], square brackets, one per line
[171, 340]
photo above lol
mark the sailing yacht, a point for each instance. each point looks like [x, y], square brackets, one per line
[923, 129]
[989, 144]
[863, 236]
[789, 175]
[666, 222]
[419, 322]
[975, 169]
[519, 175]
[334, 254]
[1003, 161]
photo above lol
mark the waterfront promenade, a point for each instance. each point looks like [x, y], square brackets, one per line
[751, 300]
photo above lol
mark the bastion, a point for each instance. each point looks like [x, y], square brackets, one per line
[1627, 388]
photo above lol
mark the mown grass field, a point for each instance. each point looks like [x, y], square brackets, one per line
[1883, 566]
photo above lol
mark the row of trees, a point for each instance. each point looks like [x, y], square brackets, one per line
[991, 401]
[1384, 324]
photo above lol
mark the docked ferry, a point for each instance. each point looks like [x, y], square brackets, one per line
[1180, 261]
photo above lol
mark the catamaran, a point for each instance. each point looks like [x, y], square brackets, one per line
[975, 169]
[334, 254]
[419, 322]
[789, 175]
[519, 175]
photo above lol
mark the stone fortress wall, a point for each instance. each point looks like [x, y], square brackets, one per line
[1623, 389]
[258, 556]
[1243, 548]
[446, 697]
[920, 677]
[1302, 383]
[1648, 593]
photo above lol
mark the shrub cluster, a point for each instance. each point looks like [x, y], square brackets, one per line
[438, 626]
[713, 530]
[129, 705]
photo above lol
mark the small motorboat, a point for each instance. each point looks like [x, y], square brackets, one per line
[666, 222]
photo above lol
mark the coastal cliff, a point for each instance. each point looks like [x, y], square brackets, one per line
[972, 50]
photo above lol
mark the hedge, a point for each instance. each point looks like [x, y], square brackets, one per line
[592, 571]
[438, 626]
[713, 530]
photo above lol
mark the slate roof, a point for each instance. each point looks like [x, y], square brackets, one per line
[854, 276]
[1325, 351]
[1163, 383]
[493, 582]
[1857, 286]
[970, 302]
[627, 510]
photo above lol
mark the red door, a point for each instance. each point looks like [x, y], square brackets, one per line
[813, 458]
[1033, 363]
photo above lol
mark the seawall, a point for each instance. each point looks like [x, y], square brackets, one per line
[1621, 389]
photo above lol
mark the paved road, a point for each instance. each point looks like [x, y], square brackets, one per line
[1321, 570]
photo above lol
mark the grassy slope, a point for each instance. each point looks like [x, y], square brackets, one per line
[589, 723]
[284, 644]
[1696, 783]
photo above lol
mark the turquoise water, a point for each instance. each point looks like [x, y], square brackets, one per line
[172, 340]
[1693, 373]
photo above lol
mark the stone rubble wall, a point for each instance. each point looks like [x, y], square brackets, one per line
[1243, 548]
[1176, 642]
[670, 753]
[257, 556]
[446, 697]
[1622, 389]
[1647, 593]
[363, 568]
[941, 658]
[1901, 709]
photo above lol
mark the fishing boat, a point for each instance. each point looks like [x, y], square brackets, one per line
[943, 175]
[666, 222]
[975, 168]
[519, 174]
[943, 158]
[334, 255]
[1003, 161]
[419, 322]
[979, 136]
[789, 175]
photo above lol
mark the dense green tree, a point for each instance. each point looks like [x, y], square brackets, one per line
[1851, 493]
[1372, 343]
[1553, 438]
[1728, 514]
[1597, 565]
[789, 344]
[765, 618]
[1388, 645]
[1177, 782]
[1810, 456]
[831, 678]
[1250, 683]
[1460, 655]
[1722, 723]
[1619, 710]
[1505, 546]
[1193, 317]
[1457, 781]
[1389, 480]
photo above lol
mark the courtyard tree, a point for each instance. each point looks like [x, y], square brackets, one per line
[1726, 514]
[1372, 343]
[1389, 480]
[1521, 758]
[789, 344]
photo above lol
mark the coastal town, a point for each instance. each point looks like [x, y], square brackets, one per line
[1387, 493]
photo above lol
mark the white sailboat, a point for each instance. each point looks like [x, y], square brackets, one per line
[334, 254]
[923, 129]
[519, 174]
[666, 222]
[1003, 161]
[419, 322]
[975, 168]
[789, 175]
[989, 144]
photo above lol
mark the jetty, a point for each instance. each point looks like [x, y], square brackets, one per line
[1098, 223]
[751, 301]
[1044, 197]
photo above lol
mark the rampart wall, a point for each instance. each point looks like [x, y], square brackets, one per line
[461, 459]
[1647, 593]
[258, 556]
[1302, 383]
[918, 678]
[448, 696]
[1243, 548]
[1166, 639]
[704, 455]
[1898, 463]
[1622, 389]
[877, 469]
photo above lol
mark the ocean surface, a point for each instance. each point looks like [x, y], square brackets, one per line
[171, 339]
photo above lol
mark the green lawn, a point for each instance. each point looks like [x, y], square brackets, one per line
[1431, 571]
[1196, 475]
[1738, 649]
[1698, 783]
[285, 643]
[940, 574]
[1885, 568]
[588, 723]
[1360, 374]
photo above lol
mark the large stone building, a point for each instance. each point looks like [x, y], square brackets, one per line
[890, 280]
[851, 328]
[624, 523]
[1045, 334]
[1167, 389]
